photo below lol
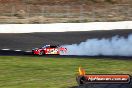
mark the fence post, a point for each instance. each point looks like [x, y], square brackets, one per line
[81, 14]
[12, 10]
[42, 11]
[68, 12]
[28, 12]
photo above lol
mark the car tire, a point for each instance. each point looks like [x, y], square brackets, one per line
[41, 53]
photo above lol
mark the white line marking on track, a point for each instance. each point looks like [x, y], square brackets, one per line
[64, 27]
[17, 50]
[14, 50]
[5, 49]
[27, 51]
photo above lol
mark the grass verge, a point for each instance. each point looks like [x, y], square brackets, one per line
[42, 72]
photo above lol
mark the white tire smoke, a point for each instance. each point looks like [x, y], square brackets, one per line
[115, 46]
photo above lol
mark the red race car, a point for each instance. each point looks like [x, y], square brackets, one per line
[48, 49]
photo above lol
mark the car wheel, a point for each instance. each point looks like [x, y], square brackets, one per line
[41, 53]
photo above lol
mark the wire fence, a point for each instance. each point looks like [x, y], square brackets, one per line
[80, 12]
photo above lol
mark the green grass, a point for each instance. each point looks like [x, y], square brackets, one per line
[42, 72]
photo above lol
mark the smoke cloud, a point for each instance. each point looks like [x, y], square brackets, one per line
[115, 46]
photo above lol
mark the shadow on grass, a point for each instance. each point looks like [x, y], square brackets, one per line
[74, 87]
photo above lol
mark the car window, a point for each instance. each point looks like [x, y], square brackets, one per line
[45, 47]
[53, 46]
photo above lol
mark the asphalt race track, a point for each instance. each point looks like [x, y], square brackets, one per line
[29, 53]
[27, 41]
[22, 44]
